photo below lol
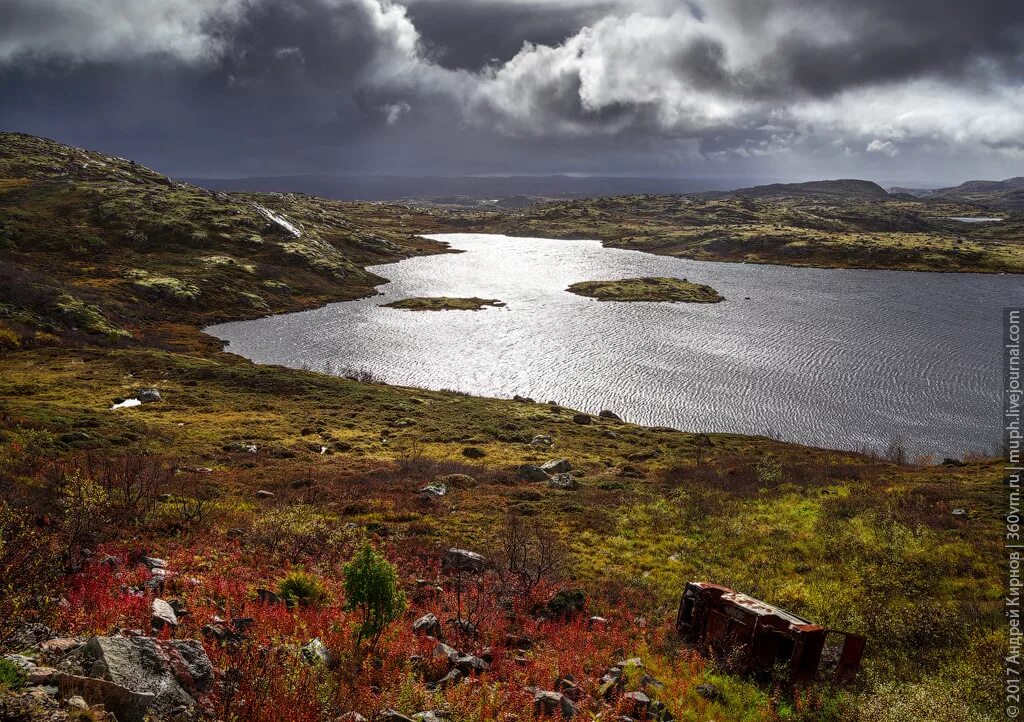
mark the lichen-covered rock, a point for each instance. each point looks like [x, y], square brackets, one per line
[463, 560]
[131, 676]
[557, 466]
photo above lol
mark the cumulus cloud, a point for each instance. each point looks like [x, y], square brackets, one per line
[729, 81]
[105, 30]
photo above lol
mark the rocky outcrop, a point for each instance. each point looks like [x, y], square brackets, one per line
[529, 472]
[557, 466]
[463, 560]
[132, 676]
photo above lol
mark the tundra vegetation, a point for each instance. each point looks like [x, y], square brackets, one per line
[443, 303]
[647, 289]
[311, 547]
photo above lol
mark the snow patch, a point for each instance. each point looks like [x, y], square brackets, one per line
[126, 404]
[279, 220]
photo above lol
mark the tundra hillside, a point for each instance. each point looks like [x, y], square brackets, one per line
[827, 224]
[184, 554]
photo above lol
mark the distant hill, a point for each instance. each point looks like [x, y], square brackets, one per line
[1004, 195]
[465, 190]
[842, 189]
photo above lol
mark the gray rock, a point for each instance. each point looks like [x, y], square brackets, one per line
[550, 704]
[147, 396]
[433, 490]
[430, 716]
[557, 466]
[582, 419]
[316, 652]
[163, 615]
[463, 560]
[77, 702]
[454, 676]
[443, 650]
[606, 414]
[563, 481]
[529, 472]
[542, 440]
[428, 624]
[154, 563]
[390, 715]
[469, 664]
[74, 436]
[133, 675]
[263, 494]
[637, 703]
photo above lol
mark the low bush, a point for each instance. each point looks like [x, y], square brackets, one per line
[302, 589]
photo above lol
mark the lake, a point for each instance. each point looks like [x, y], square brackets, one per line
[836, 358]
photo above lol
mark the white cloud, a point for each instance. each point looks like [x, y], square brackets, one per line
[105, 30]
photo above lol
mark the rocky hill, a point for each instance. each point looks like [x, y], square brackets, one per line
[104, 245]
[844, 189]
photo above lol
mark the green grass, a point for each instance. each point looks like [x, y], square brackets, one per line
[647, 289]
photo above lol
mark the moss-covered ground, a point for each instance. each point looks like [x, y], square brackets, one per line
[647, 289]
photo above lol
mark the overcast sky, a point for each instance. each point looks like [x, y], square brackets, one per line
[915, 90]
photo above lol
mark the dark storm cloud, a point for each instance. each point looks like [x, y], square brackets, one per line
[472, 34]
[262, 86]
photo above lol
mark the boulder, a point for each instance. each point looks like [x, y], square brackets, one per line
[454, 676]
[263, 494]
[563, 481]
[163, 615]
[463, 560]
[566, 684]
[133, 675]
[582, 419]
[430, 716]
[147, 396]
[470, 664]
[522, 399]
[529, 472]
[637, 704]
[606, 414]
[265, 596]
[54, 649]
[552, 704]
[75, 436]
[154, 563]
[542, 440]
[428, 624]
[557, 466]
[433, 491]
[443, 650]
[315, 652]
[390, 715]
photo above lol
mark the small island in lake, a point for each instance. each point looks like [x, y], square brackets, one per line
[647, 289]
[443, 303]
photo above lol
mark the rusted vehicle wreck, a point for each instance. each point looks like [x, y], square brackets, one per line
[761, 639]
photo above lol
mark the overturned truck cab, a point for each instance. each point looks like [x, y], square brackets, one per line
[761, 639]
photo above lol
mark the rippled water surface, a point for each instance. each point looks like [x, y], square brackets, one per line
[838, 358]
